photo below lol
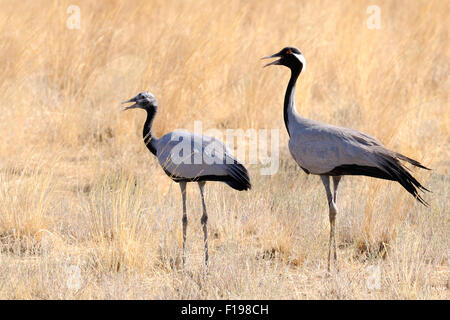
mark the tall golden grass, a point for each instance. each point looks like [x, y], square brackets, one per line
[80, 190]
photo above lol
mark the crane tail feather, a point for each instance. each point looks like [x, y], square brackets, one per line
[236, 177]
[239, 177]
[411, 161]
[400, 174]
[389, 168]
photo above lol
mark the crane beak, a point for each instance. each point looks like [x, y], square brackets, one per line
[276, 62]
[134, 106]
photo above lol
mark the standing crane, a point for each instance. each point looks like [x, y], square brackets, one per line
[331, 151]
[204, 159]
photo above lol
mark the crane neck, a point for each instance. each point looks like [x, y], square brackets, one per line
[289, 98]
[150, 139]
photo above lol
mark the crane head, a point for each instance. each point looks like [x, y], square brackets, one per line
[144, 100]
[290, 57]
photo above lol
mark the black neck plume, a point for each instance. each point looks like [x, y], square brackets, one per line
[149, 138]
[289, 98]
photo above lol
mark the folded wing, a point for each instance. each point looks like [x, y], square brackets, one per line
[185, 156]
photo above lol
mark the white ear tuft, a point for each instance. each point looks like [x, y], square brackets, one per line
[302, 59]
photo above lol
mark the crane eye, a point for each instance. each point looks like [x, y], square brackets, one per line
[288, 51]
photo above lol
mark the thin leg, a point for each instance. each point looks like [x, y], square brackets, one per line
[336, 180]
[332, 215]
[204, 219]
[184, 219]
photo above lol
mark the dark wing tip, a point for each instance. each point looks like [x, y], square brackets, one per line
[420, 199]
[239, 177]
[411, 161]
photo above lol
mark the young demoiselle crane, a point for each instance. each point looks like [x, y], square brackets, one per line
[330, 151]
[188, 157]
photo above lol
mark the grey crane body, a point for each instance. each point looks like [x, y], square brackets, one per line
[198, 164]
[188, 157]
[327, 150]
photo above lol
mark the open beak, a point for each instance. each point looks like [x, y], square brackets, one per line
[134, 106]
[276, 55]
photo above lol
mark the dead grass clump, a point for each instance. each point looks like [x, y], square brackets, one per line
[24, 206]
[119, 223]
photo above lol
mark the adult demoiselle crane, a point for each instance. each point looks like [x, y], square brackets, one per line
[331, 151]
[188, 157]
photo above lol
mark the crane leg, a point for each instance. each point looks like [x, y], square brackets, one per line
[184, 219]
[204, 219]
[332, 215]
[336, 180]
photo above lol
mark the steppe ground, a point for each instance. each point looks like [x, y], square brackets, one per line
[86, 212]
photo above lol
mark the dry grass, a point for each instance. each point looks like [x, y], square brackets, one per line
[80, 193]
